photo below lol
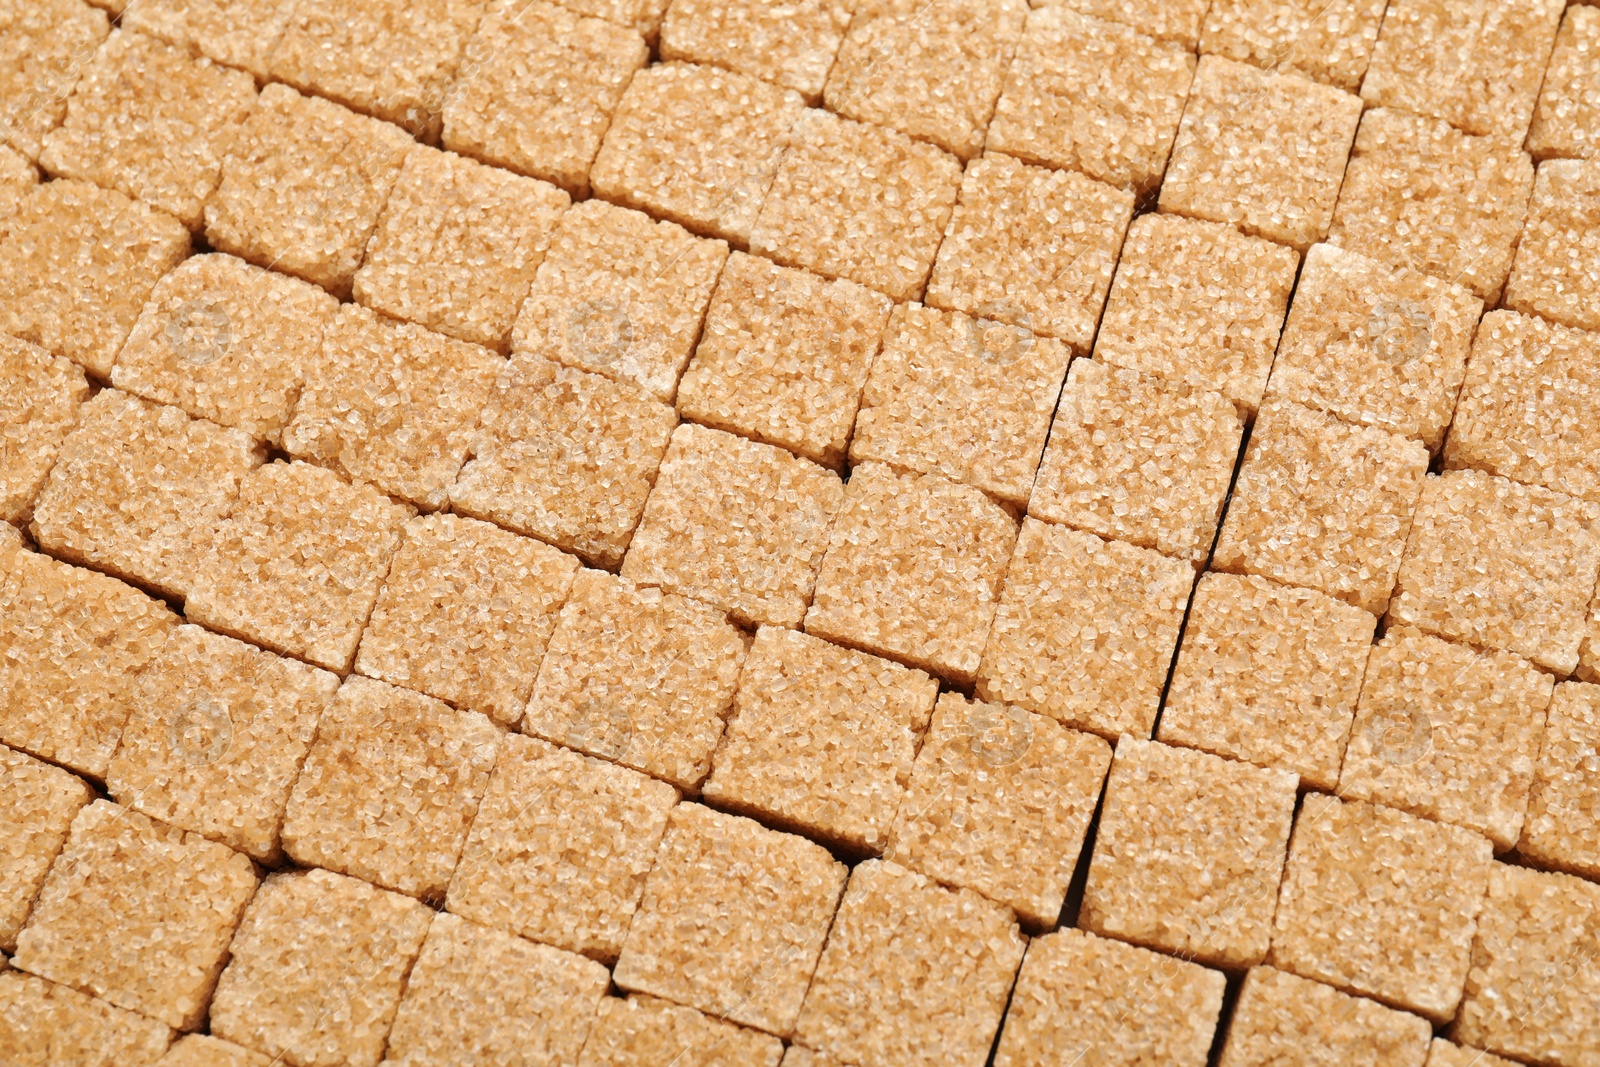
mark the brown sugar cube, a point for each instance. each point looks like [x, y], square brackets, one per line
[1263, 151]
[1402, 937]
[17, 178]
[1086, 630]
[1447, 733]
[202, 1050]
[1563, 825]
[1375, 345]
[1139, 459]
[389, 788]
[318, 967]
[1464, 230]
[1325, 41]
[1268, 674]
[1476, 66]
[857, 201]
[1178, 21]
[137, 913]
[1189, 853]
[696, 145]
[645, 1032]
[1555, 273]
[821, 739]
[1093, 96]
[560, 848]
[637, 676]
[1534, 988]
[40, 396]
[791, 45]
[1282, 1018]
[732, 919]
[1083, 997]
[296, 563]
[1443, 1054]
[565, 456]
[37, 805]
[149, 120]
[45, 46]
[914, 973]
[43, 1025]
[238, 33]
[784, 357]
[932, 69]
[999, 803]
[1566, 121]
[967, 398]
[137, 490]
[465, 614]
[481, 995]
[302, 187]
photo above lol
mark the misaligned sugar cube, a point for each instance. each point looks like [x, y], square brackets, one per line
[1263, 151]
[1376, 345]
[784, 357]
[560, 848]
[296, 563]
[637, 676]
[565, 456]
[202, 1050]
[302, 187]
[137, 490]
[465, 614]
[914, 973]
[44, 49]
[1178, 21]
[1269, 674]
[1323, 41]
[148, 119]
[1555, 272]
[1094, 96]
[37, 804]
[792, 45]
[1566, 121]
[318, 966]
[239, 33]
[1086, 630]
[732, 920]
[1138, 459]
[1443, 1054]
[137, 913]
[644, 1031]
[1447, 733]
[999, 803]
[1079, 995]
[1563, 825]
[40, 396]
[43, 1024]
[1464, 230]
[821, 739]
[1281, 1018]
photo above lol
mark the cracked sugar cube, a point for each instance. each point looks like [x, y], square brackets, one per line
[1269, 674]
[1381, 903]
[646, 1032]
[560, 848]
[202, 1050]
[1263, 151]
[1562, 830]
[43, 1024]
[1177, 21]
[1086, 630]
[1477, 66]
[319, 964]
[638, 676]
[237, 33]
[1031, 247]
[1443, 1054]
[914, 973]
[302, 187]
[1189, 853]
[37, 805]
[138, 488]
[1375, 345]
[732, 919]
[40, 399]
[563, 455]
[389, 788]
[137, 913]
[149, 120]
[1566, 120]
[1079, 995]
[788, 44]
[1282, 1018]
[1447, 733]
[465, 614]
[858, 201]
[45, 46]
[967, 398]
[1322, 504]
[1325, 41]
[1534, 988]
[821, 739]
[296, 563]
[999, 803]
[784, 357]
[482, 995]
[1555, 273]
[1093, 96]
[1138, 459]
[1419, 194]
[913, 570]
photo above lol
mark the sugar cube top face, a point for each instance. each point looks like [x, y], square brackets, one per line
[999, 803]
[792, 45]
[203, 1050]
[1269, 674]
[18, 176]
[238, 33]
[37, 805]
[1443, 1054]
[1566, 121]
[1563, 825]
[1326, 42]
[1177, 21]
[1263, 151]
[1447, 733]
[1555, 272]
[40, 395]
[42, 1023]
[1189, 853]
[47, 45]
[1282, 1018]
[732, 920]
[644, 1031]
